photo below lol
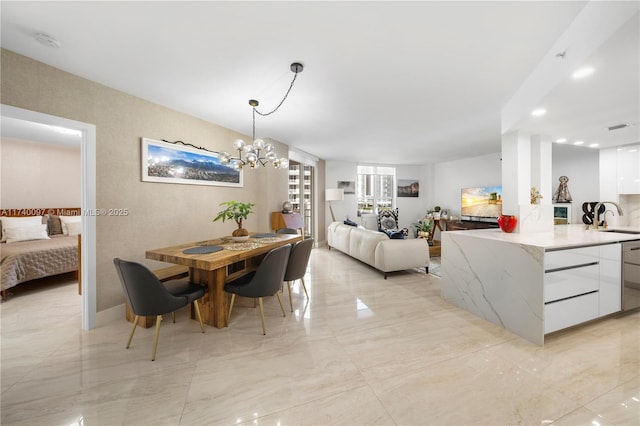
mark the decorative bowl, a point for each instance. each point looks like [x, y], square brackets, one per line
[238, 239]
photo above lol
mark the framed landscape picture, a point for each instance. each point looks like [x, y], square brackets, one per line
[349, 186]
[172, 163]
[408, 188]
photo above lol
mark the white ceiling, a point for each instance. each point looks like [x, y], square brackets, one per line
[392, 82]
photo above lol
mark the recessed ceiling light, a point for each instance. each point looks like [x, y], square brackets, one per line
[47, 40]
[578, 142]
[561, 140]
[583, 72]
[538, 112]
[594, 145]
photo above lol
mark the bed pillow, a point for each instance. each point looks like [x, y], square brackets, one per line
[26, 233]
[55, 226]
[18, 222]
[68, 219]
[74, 228]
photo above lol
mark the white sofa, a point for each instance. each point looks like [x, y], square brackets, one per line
[377, 249]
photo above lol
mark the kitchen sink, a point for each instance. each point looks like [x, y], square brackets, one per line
[621, 231]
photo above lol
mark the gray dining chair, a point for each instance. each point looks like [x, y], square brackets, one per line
[265, 281]
[297, 266]
[147, 296]
[287, 231]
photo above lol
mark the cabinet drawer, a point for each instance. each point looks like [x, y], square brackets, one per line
[571, 282]
[563, 314]
[570, 257]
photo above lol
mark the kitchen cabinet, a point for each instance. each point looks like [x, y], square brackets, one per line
[610, 279]
[581, 284]
[628, 169]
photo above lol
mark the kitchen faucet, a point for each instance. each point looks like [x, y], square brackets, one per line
[597, 207]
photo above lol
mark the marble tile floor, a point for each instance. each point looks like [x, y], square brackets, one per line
[362, 351]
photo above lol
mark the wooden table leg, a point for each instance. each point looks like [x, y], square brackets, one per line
[214, 306]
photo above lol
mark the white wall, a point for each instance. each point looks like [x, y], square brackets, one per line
[409, 209]
[39, 175]
[451, 176]
[582, 167]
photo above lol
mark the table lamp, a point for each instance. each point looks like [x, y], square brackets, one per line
[334, 194]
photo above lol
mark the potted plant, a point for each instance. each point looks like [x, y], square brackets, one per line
[237, 211]
[424, 228]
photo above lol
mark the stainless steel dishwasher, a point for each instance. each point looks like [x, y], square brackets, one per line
[630, 275]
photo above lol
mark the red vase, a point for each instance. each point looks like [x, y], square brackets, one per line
[507, 223]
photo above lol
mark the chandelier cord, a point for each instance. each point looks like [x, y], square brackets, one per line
[264, 114]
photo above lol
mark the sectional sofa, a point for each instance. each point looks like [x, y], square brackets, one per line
[377, 249]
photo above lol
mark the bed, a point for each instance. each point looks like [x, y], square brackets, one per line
[23, 261]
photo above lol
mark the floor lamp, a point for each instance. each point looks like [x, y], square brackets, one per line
[334, 194]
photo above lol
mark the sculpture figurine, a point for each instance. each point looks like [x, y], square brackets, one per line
[562, 194]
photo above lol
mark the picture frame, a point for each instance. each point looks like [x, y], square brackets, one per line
[408, 188]
[164, 162]
[348, 186]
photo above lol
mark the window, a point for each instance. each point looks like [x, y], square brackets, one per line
[375, 188]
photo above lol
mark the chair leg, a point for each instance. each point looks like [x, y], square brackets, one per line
[290, 298]
[133, 329]
[280, 302]
[233, 299]
[173, 317]
[155, 338]
[197, 309]
[264, 331]
[304, 287]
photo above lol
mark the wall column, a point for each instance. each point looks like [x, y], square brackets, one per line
[526, 162]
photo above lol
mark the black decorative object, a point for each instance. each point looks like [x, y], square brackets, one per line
[588, 210]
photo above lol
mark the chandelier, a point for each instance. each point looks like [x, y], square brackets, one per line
[259, 153]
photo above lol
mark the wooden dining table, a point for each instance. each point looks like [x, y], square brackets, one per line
[214, 270]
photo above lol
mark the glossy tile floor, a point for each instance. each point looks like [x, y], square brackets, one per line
[363, 350]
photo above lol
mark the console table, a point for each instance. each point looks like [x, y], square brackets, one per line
[287, 220]
[459, 225]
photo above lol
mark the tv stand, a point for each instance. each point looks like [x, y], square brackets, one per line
[459, 225]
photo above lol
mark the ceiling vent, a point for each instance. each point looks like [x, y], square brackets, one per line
[618, 127]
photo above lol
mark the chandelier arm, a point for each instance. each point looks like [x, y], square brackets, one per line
[279, 105]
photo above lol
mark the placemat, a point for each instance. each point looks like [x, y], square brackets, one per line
[263, 235]
[202, 250]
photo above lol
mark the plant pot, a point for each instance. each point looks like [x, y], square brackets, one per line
[507, 223]
[423, 234]
[240, 238]
[240, 232]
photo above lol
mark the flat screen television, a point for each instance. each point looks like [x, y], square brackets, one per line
[482, 202]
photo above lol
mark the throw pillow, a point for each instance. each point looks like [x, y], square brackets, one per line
[18, 222]
[26, 233]
[394, 234]
[350, 222]
[68, 219]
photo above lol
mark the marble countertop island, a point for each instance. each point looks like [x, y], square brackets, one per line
[501, 277]
[563, 236]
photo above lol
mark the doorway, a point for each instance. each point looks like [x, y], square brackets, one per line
[87, 200]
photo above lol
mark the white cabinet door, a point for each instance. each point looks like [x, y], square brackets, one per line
[629, 169]
[563, 314]
[610, 279]
[571, 282]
